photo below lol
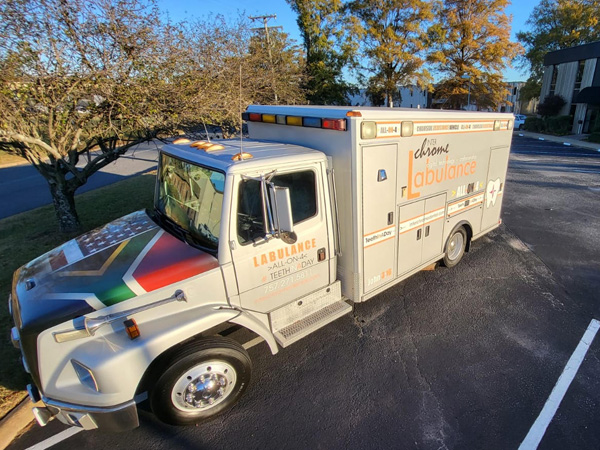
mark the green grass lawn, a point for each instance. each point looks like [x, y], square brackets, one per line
[25, 236]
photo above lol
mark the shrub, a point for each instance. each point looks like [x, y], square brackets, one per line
[594, 137]
[551, 106]
[559, 125]
[534, 124]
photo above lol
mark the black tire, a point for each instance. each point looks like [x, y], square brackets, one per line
[455, 247]
[200, 381]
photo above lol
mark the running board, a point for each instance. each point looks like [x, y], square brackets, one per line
[304, 327]
[301, 317]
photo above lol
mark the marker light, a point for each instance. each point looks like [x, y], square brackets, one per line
[293, 120]
[496, 125]
[334, 124]
[313, 122]
[368, 130]
[132, 329]
[242, 156]
[510, 124]
[407, 129]
[353, 114]
[181, 141]
[213, 147]
[207, 146]
[298, 121]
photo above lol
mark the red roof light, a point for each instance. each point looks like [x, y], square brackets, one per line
[334, 124]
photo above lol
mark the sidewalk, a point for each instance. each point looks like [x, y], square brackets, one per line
[571, 140]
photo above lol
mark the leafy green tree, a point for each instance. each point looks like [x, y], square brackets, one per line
[393, 39]
[224, 66]
[471, 46]
[279, 74]
[558, 24]
[530, 90]
[327, 53]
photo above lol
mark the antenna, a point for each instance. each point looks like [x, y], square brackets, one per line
[241, 120]
[206, 131]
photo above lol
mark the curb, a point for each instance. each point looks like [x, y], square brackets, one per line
[15, 422]
[564, 140]
[15, 164]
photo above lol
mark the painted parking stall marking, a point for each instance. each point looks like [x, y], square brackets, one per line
[537, 431]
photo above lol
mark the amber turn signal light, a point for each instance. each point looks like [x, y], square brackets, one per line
[132, 329]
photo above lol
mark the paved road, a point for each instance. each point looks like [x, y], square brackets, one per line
[452, 359]
[22, 188]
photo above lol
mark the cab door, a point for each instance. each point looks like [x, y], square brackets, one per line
[272, 273]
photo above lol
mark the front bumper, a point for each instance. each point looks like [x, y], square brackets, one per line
[117, 418]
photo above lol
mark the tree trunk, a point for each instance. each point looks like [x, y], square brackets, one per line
[64, 207]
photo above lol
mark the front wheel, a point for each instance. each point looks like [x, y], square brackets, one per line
[455, 247]
[200, 381]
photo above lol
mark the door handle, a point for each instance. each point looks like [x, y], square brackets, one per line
[427, 231]
[419, 234]
[390, 218]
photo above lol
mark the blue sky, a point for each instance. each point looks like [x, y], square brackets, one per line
[286, 18]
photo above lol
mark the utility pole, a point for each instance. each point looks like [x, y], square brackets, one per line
[265, 19]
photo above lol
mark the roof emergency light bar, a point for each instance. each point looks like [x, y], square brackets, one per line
[298, 121]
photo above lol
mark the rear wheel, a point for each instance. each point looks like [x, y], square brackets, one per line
[455, 247]
[200, 381]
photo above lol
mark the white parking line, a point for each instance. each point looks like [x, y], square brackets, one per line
[253, 342]
[536, 433]
[66, 434]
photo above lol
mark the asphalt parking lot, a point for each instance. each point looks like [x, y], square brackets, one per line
[462, 358]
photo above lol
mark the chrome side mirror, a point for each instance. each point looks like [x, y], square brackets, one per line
[281, 205]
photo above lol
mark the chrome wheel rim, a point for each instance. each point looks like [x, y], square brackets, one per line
[204, 386]
[455, 246]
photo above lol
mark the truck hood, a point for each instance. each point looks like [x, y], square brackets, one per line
[126, 258]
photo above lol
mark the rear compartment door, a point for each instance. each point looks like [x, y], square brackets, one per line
[410, 236]
[420, 232]
[433, 227]
[379, 209]
[494, 189]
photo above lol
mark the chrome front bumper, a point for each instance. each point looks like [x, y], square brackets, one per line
[116, 418]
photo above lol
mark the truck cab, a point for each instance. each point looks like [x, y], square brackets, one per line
[239, 234]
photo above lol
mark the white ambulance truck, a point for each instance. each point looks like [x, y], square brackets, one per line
[280, 234]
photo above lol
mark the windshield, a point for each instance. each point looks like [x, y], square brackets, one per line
[191, 197]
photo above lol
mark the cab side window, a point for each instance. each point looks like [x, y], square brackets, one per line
[303, 195]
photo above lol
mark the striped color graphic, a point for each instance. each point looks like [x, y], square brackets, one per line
[419, 221]
[464, 204]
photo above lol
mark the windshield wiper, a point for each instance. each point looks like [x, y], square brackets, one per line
[179, 232]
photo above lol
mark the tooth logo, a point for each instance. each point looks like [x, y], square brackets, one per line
[493, 188]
